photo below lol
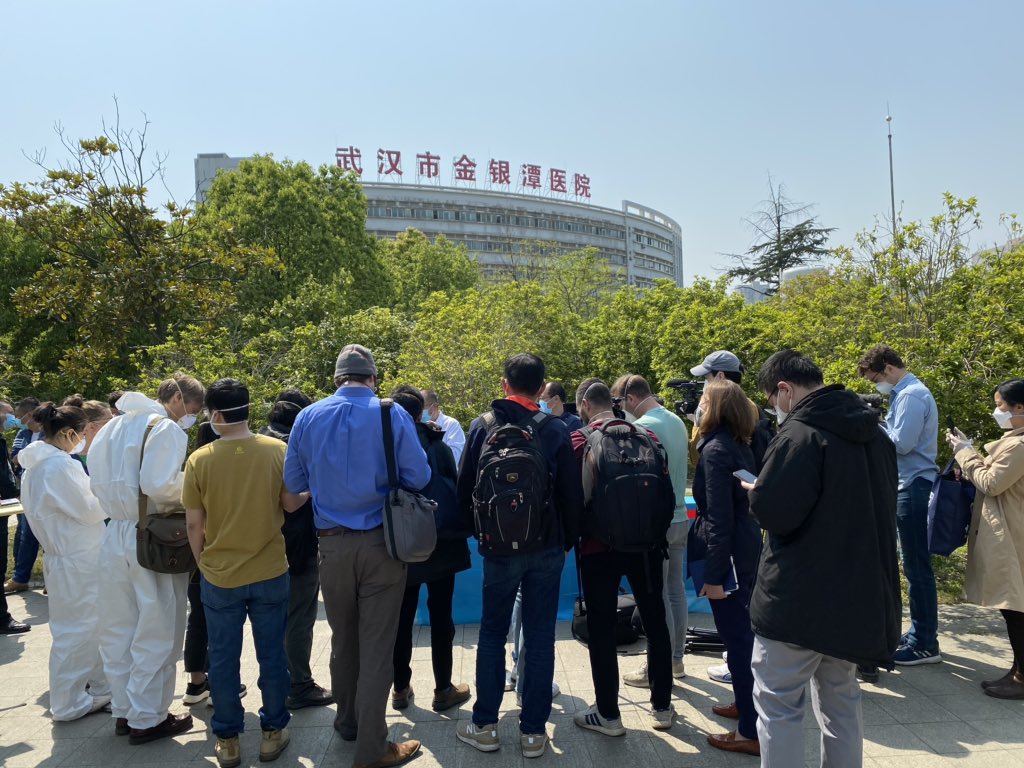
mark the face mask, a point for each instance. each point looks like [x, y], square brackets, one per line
[80, 447]
[13, 422]
[425, 417]
[545, 406]
[214, 427]
[884, 387]
[780, 414]
[187, 421]
[1003, 418]
[698, 415]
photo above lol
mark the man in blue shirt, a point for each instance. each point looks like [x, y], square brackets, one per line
[912, 424]
[336, 452]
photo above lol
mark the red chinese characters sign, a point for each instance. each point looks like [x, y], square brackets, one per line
[532, 177]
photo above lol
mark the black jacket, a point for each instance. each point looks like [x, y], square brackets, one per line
[763, 434]
[566, 507]
[451, 554]
[724, 525]
[299, 530]
[8, 481]
[828, 579]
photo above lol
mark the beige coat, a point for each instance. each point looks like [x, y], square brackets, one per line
[995, 545]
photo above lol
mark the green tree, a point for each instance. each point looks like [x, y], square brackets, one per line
[418, 267]
[784, 238]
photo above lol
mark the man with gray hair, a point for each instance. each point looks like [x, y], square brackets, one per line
[336, 452]
[454, 436]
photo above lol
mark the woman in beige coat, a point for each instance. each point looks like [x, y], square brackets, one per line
[995, 547]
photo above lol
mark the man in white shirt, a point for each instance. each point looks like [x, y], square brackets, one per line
[454, 436]
[142, 624]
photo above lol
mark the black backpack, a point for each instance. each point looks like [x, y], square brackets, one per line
[629, 495]
[513, 485]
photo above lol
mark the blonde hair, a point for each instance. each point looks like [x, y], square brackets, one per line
[728, 406]
[96, 410]
[191, 390]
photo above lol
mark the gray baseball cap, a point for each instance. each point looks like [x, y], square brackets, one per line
[722, 360]
[356, 360]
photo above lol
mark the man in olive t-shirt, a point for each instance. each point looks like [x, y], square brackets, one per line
[233, 493]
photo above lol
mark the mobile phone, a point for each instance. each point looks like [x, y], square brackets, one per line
[950, 423]
[746, 477]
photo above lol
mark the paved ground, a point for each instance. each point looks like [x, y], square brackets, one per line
[923, 716]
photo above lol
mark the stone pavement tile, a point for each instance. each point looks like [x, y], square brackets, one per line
[38, 753]
[19, 727]
[107, 750]
[1008, 732]
[635, 750]
[976, 706]
[873, 711]
[182, 749]
[919, 709]
[91, 725]
[956, 739]
[882, 740]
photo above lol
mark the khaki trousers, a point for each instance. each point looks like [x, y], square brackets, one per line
[362, 589]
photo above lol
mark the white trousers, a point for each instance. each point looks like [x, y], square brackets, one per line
[781, 674]
[142, 631]
[72, 583]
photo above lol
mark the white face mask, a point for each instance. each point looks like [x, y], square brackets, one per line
[187, 421]
[80, 447]
[698, 415]
[884, 387]
[780, 414]
[214, 427]
[1003, 418]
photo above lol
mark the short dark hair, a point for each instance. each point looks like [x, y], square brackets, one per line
[1012, 391]
[525, 373]
[205, 435]
[596, 392]
[113, 397]
[876, 358]
[228, 393]
[409, 398]
[26, 405]
[429, 397]
[54, 419]
[788, 365]
[555, 389]
[287, 407]
[736, 377]
[631, 384]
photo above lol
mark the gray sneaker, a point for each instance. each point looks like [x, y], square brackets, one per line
[533, 744]
[483, 737]
[592, 720]
[661, 719]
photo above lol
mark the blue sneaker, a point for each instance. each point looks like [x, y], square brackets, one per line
[907, 656]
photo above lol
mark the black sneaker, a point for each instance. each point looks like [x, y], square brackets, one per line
[867, 674]
[316, 696]
[196, 693]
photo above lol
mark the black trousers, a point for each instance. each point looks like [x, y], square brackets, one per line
[196, 641]
[5, 615]
[442, 632]
[1015, 629]
[601, 574]
[732, 618]
[303, 604]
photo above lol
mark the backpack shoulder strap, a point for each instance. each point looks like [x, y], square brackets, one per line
[540, 419]
[389, 441]
[143, 498]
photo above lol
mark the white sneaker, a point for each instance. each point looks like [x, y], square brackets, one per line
[533, 744]
[661, 719]
[720, 674]
[100, 704]
[679, 669]
[637, 679]
[484, 738]
[592, 720]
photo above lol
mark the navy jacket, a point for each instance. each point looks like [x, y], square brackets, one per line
[724, 523]
[561, 528]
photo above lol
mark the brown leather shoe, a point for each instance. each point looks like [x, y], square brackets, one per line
[452, 696]
[174, 725]
[730, 711]
[999, 680]
[1012, 688]
[397, 754]
[121, 727]
[11, 586]
[400, 699]
[733, 742]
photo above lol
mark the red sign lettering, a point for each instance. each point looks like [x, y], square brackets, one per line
[556, 180]
[465, 169]
[531, 176]
[582, 184]
[350, 159]
[500, 172]
[389, 161]
[429, 165]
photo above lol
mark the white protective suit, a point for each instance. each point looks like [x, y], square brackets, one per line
[68, 521]
[143, 628]
[454, 437]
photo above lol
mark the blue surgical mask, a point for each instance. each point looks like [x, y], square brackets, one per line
[13, 422]
[425, 417]
[544, 406]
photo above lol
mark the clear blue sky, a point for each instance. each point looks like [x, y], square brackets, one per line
[682, 106]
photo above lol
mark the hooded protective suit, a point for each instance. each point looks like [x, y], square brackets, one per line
[68, 521]
[143, 612]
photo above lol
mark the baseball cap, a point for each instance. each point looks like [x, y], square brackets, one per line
[722, 360]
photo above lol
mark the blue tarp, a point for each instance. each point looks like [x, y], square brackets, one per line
[466, 605]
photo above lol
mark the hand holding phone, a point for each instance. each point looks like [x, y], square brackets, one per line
[745, 477]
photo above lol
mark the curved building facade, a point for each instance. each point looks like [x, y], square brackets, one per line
[506, 232]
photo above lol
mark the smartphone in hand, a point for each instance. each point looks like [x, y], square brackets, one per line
[746, 477]
[950, 423]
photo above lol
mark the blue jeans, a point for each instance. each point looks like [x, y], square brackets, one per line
[26, 550]
[266, 605]
[912, 526]
[539, 575]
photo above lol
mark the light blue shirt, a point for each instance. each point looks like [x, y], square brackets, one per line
[913, 426]
[336, 452]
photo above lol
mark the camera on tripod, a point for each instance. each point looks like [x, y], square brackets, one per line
[691, 392]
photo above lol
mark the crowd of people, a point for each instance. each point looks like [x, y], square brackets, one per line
[803, 508]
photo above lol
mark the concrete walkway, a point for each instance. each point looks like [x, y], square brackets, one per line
[922, 716]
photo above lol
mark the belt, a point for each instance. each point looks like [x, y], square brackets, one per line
[341, 530]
